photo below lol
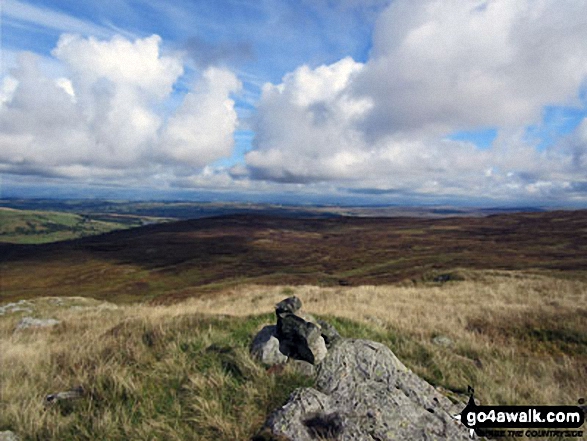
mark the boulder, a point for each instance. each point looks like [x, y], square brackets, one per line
[297, 336]
[265, 347]
[363, 392]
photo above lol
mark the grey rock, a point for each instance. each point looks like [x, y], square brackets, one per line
[72, 394]
[329, 333]
[8, 435]
[20, 306]
[303, 367]
[303, 403]
[265, 347]
[363, 392]
[30, 322]
[290, 305]
[300, 339]
[442, 340]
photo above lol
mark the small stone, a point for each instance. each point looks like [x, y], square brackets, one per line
[442, 340]
[8, 435]
[265, 347]
[30, 322]
[290, 305]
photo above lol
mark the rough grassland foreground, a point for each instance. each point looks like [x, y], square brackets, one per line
[182, 371]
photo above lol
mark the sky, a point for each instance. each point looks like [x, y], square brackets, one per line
[409, 102]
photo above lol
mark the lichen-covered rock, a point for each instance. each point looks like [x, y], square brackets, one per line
[329, 333]
[303, 367]
[265, 347]
[363, 392]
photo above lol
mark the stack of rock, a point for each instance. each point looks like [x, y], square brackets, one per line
[363, 391]
[298, 338]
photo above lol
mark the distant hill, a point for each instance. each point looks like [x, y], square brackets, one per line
[184, 258]
[33, 227]
[197, 210]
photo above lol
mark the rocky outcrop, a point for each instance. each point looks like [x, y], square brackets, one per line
[362, 392]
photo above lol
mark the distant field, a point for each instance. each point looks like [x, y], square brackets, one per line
[37, 227]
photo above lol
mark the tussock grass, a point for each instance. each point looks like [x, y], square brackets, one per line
[157, 373]
[182, 371]
[518, 338]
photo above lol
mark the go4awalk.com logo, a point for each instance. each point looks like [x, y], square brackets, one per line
[523, 421]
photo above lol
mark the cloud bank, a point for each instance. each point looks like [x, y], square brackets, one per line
[436, 67]
[123, 110]
[108, 118]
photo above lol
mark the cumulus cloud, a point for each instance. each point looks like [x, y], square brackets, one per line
[436, 67]
[105, 118]
[304, 125]
[467, 64]
[207, 116]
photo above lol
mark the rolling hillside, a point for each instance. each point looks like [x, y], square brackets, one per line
[38, 226]
[187, 258]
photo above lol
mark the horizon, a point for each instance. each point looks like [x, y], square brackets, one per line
[379, 103]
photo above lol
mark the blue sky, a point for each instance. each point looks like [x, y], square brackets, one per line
[402, 102]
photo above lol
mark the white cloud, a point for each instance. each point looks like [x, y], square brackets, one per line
[436, 67]
[306, 121]
[467, 64]
[202, 129]
[105, 117]
[137, 64]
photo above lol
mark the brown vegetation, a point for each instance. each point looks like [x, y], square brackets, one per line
[188, 258]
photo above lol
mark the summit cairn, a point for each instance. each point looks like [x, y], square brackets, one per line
[362, 390]
[298, 338]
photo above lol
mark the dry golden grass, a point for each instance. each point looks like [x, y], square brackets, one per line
[518, 338]
[148, 373]
[182, 371]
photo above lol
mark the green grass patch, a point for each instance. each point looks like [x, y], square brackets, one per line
[37, 227]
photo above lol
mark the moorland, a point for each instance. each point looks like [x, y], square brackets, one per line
[155, 321]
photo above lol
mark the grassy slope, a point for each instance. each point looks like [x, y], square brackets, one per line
[35, 227]
[148, 373]
[182, 371]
